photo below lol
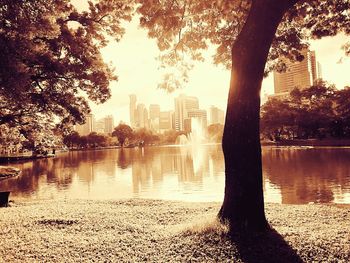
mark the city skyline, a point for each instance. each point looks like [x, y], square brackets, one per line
[152, 117]
[103, 125]
[212, 89]
[178, 118]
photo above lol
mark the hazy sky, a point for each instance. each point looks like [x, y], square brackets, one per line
[137, 70]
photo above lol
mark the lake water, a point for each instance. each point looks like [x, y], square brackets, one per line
[292, 175]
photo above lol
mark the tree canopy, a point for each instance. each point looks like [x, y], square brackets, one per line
[317, 112]
[50, 60]
[183, 29]
[123, 132]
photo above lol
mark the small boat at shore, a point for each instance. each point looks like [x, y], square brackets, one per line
[8, 172]
[23, 157]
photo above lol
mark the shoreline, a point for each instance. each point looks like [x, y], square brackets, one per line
[134, 230]
[287, 143]
[310, 142]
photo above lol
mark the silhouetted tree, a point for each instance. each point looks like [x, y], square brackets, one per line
[95, 139]
[145, 137]
[341, 125]
[123, 132]
[169, 137]
[83, 141]
[316, 112]
[278, 119]
[71, 139]
[247, 33]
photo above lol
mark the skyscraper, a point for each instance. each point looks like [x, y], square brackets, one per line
[132, 109]
[183, 104]
[300, 75]
[145, 119]
[319, 70]
[87, 127]
[216, 115]
[154, 110]
[141, 117]
[108, 124]
[99, 126]
[154, 116]
[165, 121]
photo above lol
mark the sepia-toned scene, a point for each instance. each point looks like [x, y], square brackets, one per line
[174, 131]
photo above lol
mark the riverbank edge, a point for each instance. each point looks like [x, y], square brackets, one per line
[286, 143]
[135, 230]
[310, 142]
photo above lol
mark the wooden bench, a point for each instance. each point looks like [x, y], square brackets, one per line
[4, 199]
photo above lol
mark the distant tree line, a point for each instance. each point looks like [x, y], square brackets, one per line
[124, 135]
[318, 112]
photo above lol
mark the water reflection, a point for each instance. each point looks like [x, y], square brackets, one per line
[309, 175]
[291, 175]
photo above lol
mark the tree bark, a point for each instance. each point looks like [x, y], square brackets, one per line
[243, 205]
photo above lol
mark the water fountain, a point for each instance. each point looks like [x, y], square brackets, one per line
[181, 140]
[195, 137]
[197, 134]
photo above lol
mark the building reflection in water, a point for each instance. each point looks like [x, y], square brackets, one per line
[291, 175]
[305, 175]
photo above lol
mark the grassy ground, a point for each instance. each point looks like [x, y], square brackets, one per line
[164, 231]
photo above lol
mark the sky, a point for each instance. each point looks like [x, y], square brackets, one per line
[134, 58]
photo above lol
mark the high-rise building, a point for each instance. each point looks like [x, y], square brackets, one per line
[154, 116]
[300, 75]
[172, 115]
[87, 127]
[154, 111]
[132, 109]
[108, 124]
[145, 119]
[319, 70]
[184, 104]
[216, 115]
[99, 126]
[141, 117]
[165, 122]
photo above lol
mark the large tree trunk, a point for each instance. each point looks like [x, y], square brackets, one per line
[243, 205]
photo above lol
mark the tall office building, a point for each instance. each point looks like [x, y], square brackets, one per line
[165, 121]
[172, 115]
[108, 124]
[183, 104]
[154, 116]
[300, 75]
[216, 115]
[141, 117]
[99, 126]
[145, 119]
[319, 70]
[154, 110]
[132, 109]
[87, 127]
